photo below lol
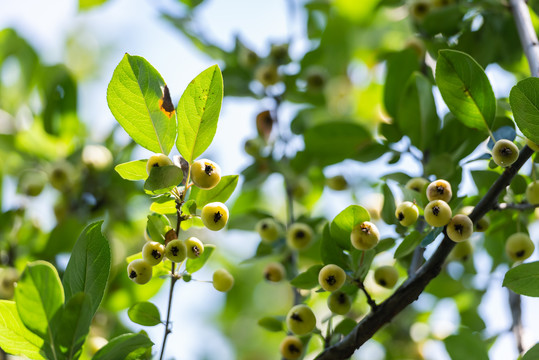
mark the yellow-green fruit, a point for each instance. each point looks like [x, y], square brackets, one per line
[461, 251]
[439, 190]
[419, 9]
[254, 146]
[267, 74]
[8, 277]
[504, 153]
[460, 228]
[437, 213]
[339, 303]
[97, 157]
[157, 160]
[519, 246]
[214, 216]
[532, 192]
[299, 236]
[274, 272]
[291, 348]
[386, 276]
[139, 271]
[482, 224]
[153, 252]
[268, 229]
[442, 3]
[407, 213]
[194, 247]
[417, 184]
[176, 250]
[331, 277]
[337, 183]
[364, 236]
[301, 320]
[222, 280]
[205, 174]
[61, 176]
[532, 145]
[32, 182]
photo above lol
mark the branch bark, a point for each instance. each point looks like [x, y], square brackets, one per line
[526, 32]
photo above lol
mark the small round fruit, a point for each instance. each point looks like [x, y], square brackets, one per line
[339, 303]
[364, 236]
[274, 272]
[61, 176]
[482, 224]
[331, 277]
[153, 252]
[205, 174]
[267, 74]
[301, 320]
[519, 246]
[460, 228]
[254, 146]
[386, 276]
[439, 190]
[8, 277]
[532, 145]
[268, 229]
[532, 192]
[139, 271]
[176, 251]
[214, 216]
[291, 348]
[222, 280]
[407, 213]
[504, 153]
[97, 157]
[337, 183]
[437, 213]
[157, 160]
[461, 251]
[417, 184]
[299, 236]
[194, 247]
[32, 182]
[419, 9]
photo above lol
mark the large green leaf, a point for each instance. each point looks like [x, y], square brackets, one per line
[532, 354]
[220, 193]
[307, 279]
[135, 96]
[121, 346]
[198, 112]
[89, 266]
[15, 338]
[466, 345]
[465, 89]
[193, 265]
[330, 251]
[133, 170]
[400, 66]
[74, 325]
[524, 99]
[162, 179]
[408, 245]
[523, 279]
[344, 222]
[144, 313]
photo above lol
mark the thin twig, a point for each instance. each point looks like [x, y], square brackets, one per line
[370, 301]
[516, 314]
[526, 32]
[512, 206]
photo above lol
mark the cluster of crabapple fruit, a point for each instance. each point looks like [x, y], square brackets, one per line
[205, 174]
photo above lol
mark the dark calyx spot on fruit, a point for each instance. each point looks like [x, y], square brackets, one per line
[440, 189]
[132, 274]
[155, 164]
[459, 228]
[268, 276]
[464, 258]
[506, 151]
[175, 250]
[342, 298]
[208, 169]
[401, 216]
[165, 103]
[366, 228]
[416, 188]
[293, 349]
[520, 253]
[296, 317]
[196, 250]
[156, 254]
[331, 280]
[264, 226]
[217, 216]
[300, 234]
[382, 282]
[435, 210]
[421, 8]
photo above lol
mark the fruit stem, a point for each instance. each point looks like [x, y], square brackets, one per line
[370, 301]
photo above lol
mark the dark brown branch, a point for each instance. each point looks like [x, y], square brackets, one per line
[519, 207]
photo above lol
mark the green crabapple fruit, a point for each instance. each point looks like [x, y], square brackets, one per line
[222, 280]
[157, 160]
[439, 190]
[301, 320]
[519, 246]
[268, 229]
[176, 251]
[205, 174]
[461, 251]
[153, 252]
[417, 184]
[96, 157]
[437, 213]
[532, 145]
[460, 228]
[407, 213]
[299, 236]
[339, 303]
[331, 277]
[386, 276]
[194, 247]
[254, 146]
[482, 224]
[291, 348]
[214, 216]
[337, 183]
[274, 272]
[267, 74]
[532, 192]
[139, 271]
[504, 153]
[419, 9]
[61, 175]
[364, 236]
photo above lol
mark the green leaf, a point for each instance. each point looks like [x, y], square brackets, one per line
[345, 326]
[400, 66]
[330, 252]
[220, 193]
[164, 205]
[163, 178]
[523, 279]
[89, 266]
[271, 324]
[121, 346]
[532, 354]
[431, 236]
[465, 89]
[144, 313]
[308, 279]
[74, 325]
[189, 207]
[15, 338]
[157, 226]
[388, 209]
[134, 96]
[466, 345]
[524, 100]
[344, 222]
[39, 298]
[198, 112]
[193, 265]
[133, 170]
[408, 245]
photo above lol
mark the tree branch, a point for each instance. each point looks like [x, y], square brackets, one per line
[519, 207]
[516, 314]
[526, 32]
